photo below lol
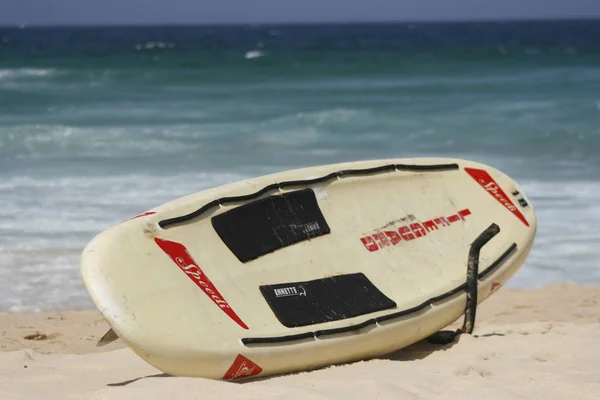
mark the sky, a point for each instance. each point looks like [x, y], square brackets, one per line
[87, 12]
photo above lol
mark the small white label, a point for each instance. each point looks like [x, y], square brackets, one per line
[290, 291]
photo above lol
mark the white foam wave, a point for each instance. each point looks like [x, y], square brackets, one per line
[154, 45]
[254, 54]
[291, 137]
[515, 106]
[39, 140]
[347, 128]
[566, 247]
[8, 74]
[305, 128]
[334, 115]
[135, 182]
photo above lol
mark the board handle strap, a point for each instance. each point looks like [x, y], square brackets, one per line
[445, 337]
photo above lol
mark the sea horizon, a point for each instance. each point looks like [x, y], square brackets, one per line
[158, 24]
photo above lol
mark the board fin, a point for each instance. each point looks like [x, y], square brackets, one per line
[109, 337]
[447, 337]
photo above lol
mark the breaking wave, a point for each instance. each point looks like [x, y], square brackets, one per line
[20, 73]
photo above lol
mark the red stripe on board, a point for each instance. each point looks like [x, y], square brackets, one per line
[242, 368]
[489, 184]
[180, 256]
[143, 215]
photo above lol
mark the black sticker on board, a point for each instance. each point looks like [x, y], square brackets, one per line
[323, 300]
[268, 224]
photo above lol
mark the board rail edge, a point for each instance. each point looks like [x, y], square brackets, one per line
[286, 184]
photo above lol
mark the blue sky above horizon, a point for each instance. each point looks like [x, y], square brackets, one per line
[84, 12]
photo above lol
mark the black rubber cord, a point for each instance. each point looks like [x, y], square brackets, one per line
[446, 337]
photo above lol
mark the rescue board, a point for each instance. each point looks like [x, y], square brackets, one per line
[311, 267]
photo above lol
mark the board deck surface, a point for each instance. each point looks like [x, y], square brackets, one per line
[306, 268]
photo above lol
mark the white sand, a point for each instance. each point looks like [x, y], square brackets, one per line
[539, 344]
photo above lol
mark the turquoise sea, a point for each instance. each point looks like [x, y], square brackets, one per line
[98, 124]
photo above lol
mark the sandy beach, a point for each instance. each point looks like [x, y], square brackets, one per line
[527, 344]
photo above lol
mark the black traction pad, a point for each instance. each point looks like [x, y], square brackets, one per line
[268, 224]
[323, 300]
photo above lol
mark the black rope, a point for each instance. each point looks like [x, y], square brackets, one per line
[472, 272]
[445, 337]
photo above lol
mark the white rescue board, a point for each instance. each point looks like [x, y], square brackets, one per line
[306, 268]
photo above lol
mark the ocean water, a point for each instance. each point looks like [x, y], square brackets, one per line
[100, 124]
